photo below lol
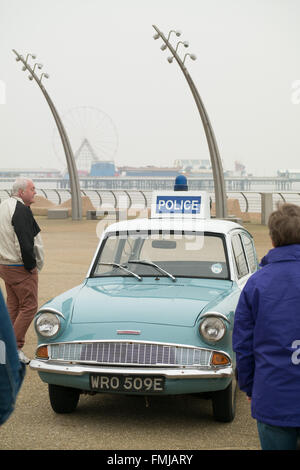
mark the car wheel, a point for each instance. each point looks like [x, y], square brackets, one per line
[224, 403]
[63, 399]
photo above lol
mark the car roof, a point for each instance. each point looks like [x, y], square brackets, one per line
[207, 225]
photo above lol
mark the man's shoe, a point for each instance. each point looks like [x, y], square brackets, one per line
[22, 357]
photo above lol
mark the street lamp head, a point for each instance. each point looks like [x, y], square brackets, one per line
[170, 59]
[36, 65]
[43, 75]
[185, 43]
[30, 77]
[24, 68]
[156, 36]
[30, 55]
[178, 33]
[192, 56]
[163, 47]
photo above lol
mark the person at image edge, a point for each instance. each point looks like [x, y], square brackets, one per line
[266, 335]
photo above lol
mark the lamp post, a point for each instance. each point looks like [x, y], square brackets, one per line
[218, 175]
[72, 170]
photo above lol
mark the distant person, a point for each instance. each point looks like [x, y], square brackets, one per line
[12, 371]
[266, 335]
[21, 256]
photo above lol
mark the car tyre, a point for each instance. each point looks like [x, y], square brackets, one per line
[224, 403]
[63, 399]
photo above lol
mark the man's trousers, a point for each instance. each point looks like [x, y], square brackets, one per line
[22, 298]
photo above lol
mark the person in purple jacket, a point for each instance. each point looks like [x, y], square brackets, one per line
[266, 335]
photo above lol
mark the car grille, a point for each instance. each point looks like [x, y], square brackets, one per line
[131, 353]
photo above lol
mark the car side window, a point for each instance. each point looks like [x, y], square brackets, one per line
[239, 256]
[250, 252]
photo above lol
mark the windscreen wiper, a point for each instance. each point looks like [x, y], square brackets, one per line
[116, 265]
[150, 263]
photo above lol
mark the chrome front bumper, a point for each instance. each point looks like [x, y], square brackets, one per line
[54, 367]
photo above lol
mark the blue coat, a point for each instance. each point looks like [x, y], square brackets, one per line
[12, 371]
[266, 338]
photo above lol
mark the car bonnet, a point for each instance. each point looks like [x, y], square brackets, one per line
[150, 301]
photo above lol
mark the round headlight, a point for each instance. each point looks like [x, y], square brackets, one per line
[212, 329]
[47, 324]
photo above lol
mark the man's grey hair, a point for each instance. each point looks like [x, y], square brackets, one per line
[20, 183]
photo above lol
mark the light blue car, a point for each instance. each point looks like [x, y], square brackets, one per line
[154, 315]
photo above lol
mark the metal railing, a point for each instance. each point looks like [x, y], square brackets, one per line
[249, 201]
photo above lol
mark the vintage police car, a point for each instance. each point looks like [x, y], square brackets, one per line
[154, 315]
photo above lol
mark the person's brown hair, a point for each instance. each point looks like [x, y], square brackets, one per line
[284, 225]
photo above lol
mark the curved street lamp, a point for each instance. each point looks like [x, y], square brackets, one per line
[218, 175]
[72, 170]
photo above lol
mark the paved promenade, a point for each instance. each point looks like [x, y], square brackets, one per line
[107, 421]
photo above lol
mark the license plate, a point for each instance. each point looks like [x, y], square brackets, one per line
[126, 383]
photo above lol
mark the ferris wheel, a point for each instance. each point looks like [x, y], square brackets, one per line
[92, 135]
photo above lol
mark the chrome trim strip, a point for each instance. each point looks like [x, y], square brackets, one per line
[79, 370]
[128, 332]
[111, 340]
[49, 310]
[214, 314]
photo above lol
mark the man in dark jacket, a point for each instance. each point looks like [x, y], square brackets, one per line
[266, 335]
[21, 257]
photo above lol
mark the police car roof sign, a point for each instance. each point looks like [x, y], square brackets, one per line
[180, 204]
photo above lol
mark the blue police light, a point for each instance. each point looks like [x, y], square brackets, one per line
[181, 183]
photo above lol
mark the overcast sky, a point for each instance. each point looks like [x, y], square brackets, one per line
[106, 70]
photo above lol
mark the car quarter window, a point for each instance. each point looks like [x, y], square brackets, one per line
[239, 256]
[250, 252]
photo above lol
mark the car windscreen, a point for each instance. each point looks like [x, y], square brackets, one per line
[173, 254]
